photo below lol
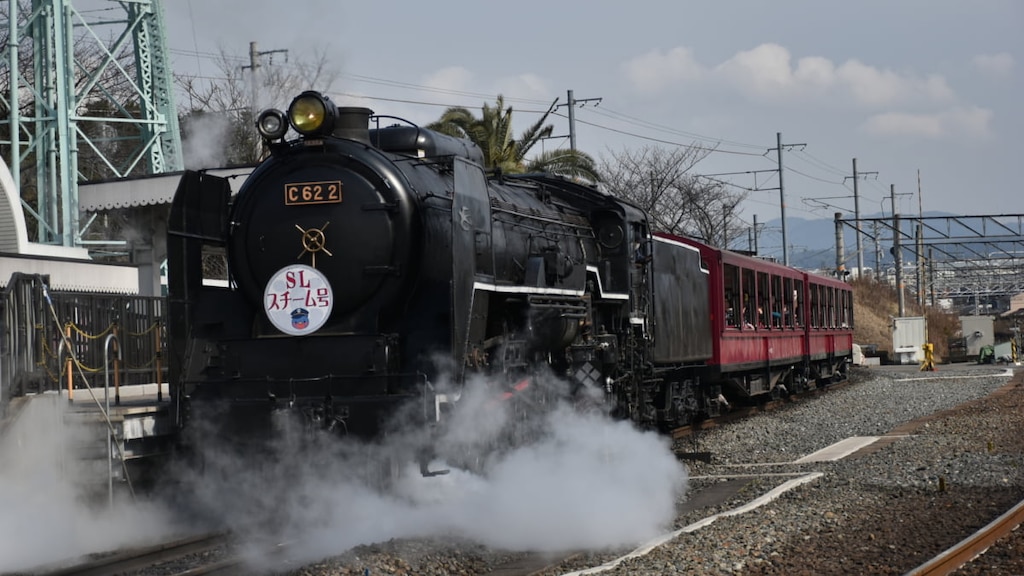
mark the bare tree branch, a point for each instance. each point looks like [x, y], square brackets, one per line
[660, 181]
[218, 116]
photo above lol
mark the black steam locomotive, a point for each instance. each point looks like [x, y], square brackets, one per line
[365, 265]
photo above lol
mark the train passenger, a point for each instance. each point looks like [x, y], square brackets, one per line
[747, 313]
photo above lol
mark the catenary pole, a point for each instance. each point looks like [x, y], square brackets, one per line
[897, 251]
[572, 115]
[782, 201]
[856, 217]
[782, 195]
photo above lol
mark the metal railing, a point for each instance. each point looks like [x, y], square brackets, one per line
[33, 354]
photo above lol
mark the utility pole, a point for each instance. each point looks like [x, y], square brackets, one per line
[931, 274]
[571, 104]
[856, 215]
[878, 251]
[782, 193]
[897, 250]
[840, 257]
[755, 234]
[254, 66]
[920, 243]
[919, 251]
[726, 214]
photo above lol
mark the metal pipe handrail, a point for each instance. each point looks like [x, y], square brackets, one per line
[111, 338]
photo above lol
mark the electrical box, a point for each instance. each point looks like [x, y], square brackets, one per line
[909, 334]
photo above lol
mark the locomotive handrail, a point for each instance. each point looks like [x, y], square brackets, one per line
[195, 236]
[377, 117]
[66, 344]
[111, 339]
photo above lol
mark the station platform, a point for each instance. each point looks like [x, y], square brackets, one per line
[140, 432]
[139, 414]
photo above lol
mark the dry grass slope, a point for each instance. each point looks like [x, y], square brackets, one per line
[874, 306]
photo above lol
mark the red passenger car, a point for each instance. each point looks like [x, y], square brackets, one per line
[829, 326]
[773, 327]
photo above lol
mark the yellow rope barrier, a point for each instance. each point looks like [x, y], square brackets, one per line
[50, 353]
[88, 336]
[144, 332]
[140, 366]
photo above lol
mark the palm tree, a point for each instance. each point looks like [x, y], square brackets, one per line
[492, 132]
[571, 163]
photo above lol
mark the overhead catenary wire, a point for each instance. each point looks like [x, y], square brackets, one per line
[707, 143]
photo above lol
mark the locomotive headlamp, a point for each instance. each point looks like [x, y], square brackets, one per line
[312, 113]
[272, 124]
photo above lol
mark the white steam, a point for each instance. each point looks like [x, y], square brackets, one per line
[574, 480]
[205, 141]
[582, 481]
[589, 483]
[43, 516]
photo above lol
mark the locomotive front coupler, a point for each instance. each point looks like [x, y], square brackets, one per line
[329, 417]
[317, 416]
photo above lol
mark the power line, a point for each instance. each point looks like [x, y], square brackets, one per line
[819, 163]
[436, 90]
[663, 141]
[604, 111]
[805, 175]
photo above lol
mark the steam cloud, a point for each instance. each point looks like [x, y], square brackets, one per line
[575, 480]
[582, 480]
[44, 518]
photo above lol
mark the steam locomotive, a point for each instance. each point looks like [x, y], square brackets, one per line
[368, 263]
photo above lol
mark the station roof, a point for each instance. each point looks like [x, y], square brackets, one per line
[153, 190]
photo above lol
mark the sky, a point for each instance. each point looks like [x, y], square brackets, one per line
[919, 91]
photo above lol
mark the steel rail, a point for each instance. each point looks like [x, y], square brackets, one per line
[142, 557]
[972, 546]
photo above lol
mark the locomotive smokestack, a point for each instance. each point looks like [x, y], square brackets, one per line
[353, 123]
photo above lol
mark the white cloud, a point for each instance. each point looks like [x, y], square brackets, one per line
[763, 72]
[997, 65]
[656, 70]
[970, 122]
[874, 87]
[769, 72]
[815, 71]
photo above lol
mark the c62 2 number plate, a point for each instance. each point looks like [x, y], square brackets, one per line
[327, 192]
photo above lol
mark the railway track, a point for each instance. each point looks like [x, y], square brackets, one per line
[145, 557]
[201, 555]
[972, 546]
[742, 412]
